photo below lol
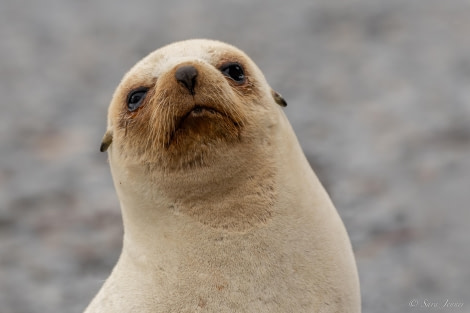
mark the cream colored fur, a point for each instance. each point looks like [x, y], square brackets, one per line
[237, 222]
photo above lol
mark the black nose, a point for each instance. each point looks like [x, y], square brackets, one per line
[186, 75]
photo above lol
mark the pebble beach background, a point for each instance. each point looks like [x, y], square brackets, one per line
[378, 93]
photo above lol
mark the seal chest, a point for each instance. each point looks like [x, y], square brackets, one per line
[221, 210]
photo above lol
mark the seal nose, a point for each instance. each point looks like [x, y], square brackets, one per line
[186, 75]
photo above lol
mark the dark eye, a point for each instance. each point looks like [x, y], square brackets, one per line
[234, 71]
[135, 99]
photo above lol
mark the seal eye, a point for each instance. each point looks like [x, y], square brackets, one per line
[233, 71]
[135, 99]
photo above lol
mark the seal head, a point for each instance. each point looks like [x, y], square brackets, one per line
[173, 111]
[186, 117]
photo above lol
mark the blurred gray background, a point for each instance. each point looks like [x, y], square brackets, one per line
[378, 93]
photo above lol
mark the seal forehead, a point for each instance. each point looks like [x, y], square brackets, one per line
[198, 48]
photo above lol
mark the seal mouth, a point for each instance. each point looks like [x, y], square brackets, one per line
[197, 112]
[201, 119]
[201, 112]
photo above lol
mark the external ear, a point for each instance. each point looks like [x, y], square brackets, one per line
[107, 140]
[278, 98]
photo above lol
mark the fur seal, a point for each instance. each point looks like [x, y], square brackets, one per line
[221, 210]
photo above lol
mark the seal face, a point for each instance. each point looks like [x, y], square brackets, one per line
[172, 111]
[221, 210]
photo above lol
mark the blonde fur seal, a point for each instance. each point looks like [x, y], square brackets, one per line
[221, 210]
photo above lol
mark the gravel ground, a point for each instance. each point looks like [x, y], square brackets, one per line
[378, 94]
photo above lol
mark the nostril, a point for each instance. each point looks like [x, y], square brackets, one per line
[186, 75]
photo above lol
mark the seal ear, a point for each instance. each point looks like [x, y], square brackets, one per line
[107, 140]
[278, 98]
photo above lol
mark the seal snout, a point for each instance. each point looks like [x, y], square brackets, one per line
[186, 75]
